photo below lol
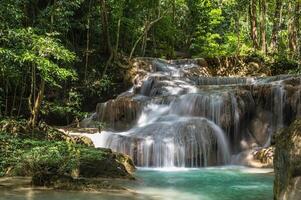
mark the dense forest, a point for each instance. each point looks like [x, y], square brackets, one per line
[67, 55]
[90, 89]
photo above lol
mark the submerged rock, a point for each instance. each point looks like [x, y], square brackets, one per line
[257, 157]
[287, 163]
[63, 183]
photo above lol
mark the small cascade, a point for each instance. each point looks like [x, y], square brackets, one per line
[172, 142]
[223, 81]
[180, 116]
[278, 106]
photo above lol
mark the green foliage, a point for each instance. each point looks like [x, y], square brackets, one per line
[49, 161]
[60, 159]
[283, 65]
[11, 13]
[27, 156]
[65, 111]
[215, 32]
[24, 47]
[59, 16]
[18, 128]
[62, 41]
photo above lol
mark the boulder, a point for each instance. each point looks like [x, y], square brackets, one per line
[287, 163]
[104, 163]
[256, 157]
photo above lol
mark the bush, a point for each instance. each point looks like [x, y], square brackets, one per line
[284, 65]
[63, 112]
[48, 163]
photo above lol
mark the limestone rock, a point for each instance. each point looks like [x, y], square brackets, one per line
[287, 163]
[119, 113]
[260, 125]
[257, 157]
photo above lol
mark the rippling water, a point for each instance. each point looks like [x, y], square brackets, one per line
[230, 183]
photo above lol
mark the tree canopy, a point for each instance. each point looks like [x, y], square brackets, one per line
[71, 43]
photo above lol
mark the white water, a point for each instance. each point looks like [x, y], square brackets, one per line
[189, 121]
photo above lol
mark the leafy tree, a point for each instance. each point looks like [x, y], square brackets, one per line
[42, 56]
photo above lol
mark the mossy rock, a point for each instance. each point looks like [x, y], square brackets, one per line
[287, 163]
[45, 161]
[54, 156]
[84, 184]
[104, 163]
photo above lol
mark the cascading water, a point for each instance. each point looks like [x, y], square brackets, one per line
[176, 118]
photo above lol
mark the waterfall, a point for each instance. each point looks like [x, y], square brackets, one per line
[181, 117]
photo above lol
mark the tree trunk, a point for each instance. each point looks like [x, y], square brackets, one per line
[253, 23]
[117, 38]
[174, 24]
[36, 108]
[292, 29]
[237, 27]
[144, 42]
[294, 45]
[297, 25]
[87, 43]
[276, 26]
[21, 97]
[105, 27]
[263, 11]
[147, 27]
[6, 98]
[52, 15]
[14, 99]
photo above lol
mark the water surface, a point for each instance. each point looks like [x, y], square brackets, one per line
[230, 183]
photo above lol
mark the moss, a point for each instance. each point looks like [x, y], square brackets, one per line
[49, 161]
[55, 159]
[102, 163]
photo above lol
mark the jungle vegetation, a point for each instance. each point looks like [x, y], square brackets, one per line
[60, 57]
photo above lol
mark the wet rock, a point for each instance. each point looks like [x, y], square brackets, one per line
[256, 157]
[265, 156]
[119, 114]
[260, 126]
[287, 163]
